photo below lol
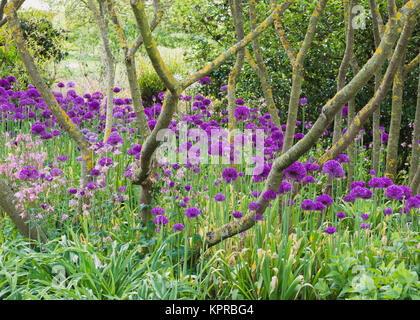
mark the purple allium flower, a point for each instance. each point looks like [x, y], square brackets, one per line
[62, 158]
[376, 183]
[241, 113]
[269, 195]
[295, 172]
[192, 213]
[37, 128]
[365, 216]
[160, 220]
[372, 172]
[387, 211]
[60, 85]
[311, 166]
[413, 203]
[299, 136]
[342, 158]
[360, 192]
[204, 81]
[341, 215]
[307, 205]
[387, 182]
[94, 172]
[72, 191]
[105, 162]
[358, 184]
[114, 139]
[91, 185]
[333, 169]
[178, 227]
[122, 189]
[240, 102]
[284, 187]
[303, 101]
[237, 214]
[348, 198]
[407, 191]
[325, 199]
[345, 111]
[230, 174]
[219, 197]
[158, 211]
[187, 188]
[254, 206]
[56, 172]
[116, 89]
[394, 192]
[29, 173]
[308, 179]
[330, 230]
[224, 88]
[318, 206]
[258, 217]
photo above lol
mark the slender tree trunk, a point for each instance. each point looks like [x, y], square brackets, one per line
[236, 8]
[297, 77]
[415, 144]
[109, 62]
[394, 131]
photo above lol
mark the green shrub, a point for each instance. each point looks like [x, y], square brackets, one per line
[149, 82]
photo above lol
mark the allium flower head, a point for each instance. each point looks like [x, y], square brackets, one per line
[325, 199]
[333, 169]
[219, 197]
[241, 113]
[307, 205]
[178, 227]
[158, 211]
[269, 195]
[330, 230]
[114, 139]
[341, 215]
[37, 128]
[254, 206]
[295, 172]
[160, 220]
[230, 174]
[284, 187]
[192, 213]
[237, 214]
[394, 192]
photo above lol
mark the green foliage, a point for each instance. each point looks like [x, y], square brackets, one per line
[46, 43]
[150, 83]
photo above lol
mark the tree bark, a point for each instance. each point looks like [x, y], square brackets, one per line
[27, 228]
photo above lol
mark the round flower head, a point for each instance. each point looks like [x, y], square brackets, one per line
[330, 230]
[192, 213]
[204, 81]
[325, 199]
[254, 206]
[284, 187]
[230, 174]
[114, 139]
[62, 158]
[387, 211]
[341, 215]
[220, 197]
[72, 191]
[307, 205]
[240, 102]
[37, 128]
[158, 211]
[241, 113]
[376, 183]
[394, 192]
[358, 184]
[333, 169]
[269, 195]
[348, 198]
[364, 225]
[360, 192]
[295, 172]
[342, 158]
[365, 216]
[308, 179]
[237, 214]
[318, 206]
[178, 227]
